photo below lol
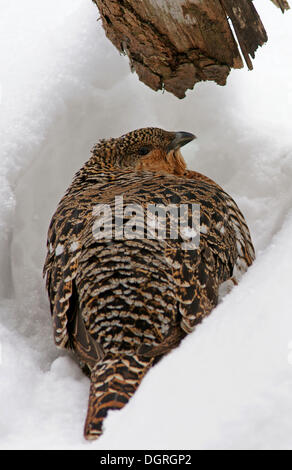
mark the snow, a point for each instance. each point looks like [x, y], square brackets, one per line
[63, 87]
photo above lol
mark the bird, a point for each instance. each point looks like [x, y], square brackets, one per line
[122, 302]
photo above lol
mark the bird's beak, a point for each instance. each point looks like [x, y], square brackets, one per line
[180, 139]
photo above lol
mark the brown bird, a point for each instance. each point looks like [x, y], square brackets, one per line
[121, 302]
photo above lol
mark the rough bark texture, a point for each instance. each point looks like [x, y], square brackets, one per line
[283, 4]
[173, 44]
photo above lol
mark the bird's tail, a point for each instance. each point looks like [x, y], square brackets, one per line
[113, 382]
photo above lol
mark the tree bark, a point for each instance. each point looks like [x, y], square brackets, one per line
[173, 44]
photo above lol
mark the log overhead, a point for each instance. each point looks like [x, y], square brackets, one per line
[173, 44]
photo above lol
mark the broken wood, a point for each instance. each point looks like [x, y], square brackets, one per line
[173, 44]
[283, 4]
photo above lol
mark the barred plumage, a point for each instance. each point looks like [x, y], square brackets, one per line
[122, 303]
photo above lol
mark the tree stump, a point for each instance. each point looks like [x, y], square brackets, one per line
[173, 44]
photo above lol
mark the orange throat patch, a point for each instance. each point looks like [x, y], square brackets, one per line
[171, 163]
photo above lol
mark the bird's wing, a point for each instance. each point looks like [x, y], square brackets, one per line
[61, 267]
[191, 277]
[64, 246]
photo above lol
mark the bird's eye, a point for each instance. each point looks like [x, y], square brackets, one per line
[144, 150]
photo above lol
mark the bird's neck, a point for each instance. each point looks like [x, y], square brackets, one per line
[103, 157]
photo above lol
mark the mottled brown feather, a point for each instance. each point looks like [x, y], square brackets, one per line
[121, 304]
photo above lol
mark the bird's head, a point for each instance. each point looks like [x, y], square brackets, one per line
[147, 149]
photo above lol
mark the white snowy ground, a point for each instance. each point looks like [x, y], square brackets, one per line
[64, 87]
